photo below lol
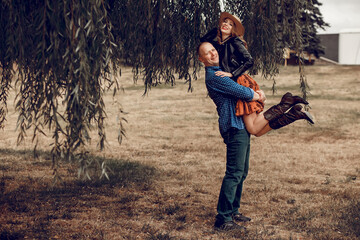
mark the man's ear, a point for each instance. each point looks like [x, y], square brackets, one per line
[201, 60]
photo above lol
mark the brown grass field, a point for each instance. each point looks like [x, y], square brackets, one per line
[304, 181]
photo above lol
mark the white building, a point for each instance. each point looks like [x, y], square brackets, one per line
[342, 47]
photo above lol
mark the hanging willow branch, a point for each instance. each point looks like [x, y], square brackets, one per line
[62, 52]
[159, 37]
[61, 55]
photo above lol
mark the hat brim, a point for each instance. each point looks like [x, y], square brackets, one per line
[239, 28]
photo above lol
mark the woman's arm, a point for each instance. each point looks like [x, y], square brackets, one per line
[244, 55]
[223, 74]
[210, 36]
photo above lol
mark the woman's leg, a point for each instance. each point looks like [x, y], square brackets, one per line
[255, 122]
[266, 129]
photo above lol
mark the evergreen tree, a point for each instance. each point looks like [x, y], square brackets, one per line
[312, 21]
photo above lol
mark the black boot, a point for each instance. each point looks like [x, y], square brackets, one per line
[287, 101]
[294, 114]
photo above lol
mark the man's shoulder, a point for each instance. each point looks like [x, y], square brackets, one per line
[209, 73]
[212, 69]
[209, 77]
[212, 79]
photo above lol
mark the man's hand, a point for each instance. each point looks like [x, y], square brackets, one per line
[223, 74]
[262, 97]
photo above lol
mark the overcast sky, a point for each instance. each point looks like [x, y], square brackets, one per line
[340, 14]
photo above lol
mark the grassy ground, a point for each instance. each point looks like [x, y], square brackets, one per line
[304, 181]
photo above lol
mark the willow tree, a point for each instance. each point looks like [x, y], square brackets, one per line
[59, 54]
[63, 55]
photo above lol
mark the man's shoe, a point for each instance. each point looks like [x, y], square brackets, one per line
[240, 218]
[228, 226]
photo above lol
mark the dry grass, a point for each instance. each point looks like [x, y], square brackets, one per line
[304, 181]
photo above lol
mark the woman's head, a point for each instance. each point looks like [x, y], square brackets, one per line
[230, 25]
[227, 27]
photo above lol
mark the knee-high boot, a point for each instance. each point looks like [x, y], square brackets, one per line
[287, 101]
[291, 116]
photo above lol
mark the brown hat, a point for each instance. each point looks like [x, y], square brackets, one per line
[239, 28]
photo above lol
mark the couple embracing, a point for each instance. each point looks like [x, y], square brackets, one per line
[240, 104]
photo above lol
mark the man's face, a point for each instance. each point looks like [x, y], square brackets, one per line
[208, 55]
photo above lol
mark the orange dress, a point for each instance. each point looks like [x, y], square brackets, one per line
[246, 108]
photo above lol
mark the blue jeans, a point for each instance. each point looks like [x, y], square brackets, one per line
[237, 167]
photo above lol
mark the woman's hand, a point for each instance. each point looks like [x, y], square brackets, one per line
[223, 74]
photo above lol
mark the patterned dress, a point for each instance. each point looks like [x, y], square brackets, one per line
[246, 108]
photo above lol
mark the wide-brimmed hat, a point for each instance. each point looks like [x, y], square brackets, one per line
[239, 28]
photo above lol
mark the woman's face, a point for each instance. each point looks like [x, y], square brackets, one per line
[226, 26]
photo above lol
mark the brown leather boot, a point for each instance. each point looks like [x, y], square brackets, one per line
[292, 115]
[287, 101]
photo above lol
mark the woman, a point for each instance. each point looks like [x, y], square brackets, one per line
[235, 60]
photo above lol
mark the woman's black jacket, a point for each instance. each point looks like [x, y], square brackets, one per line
[233, 55]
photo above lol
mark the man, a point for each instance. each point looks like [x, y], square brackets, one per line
[225, 93]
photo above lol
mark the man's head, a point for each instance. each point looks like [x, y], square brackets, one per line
[208, 54]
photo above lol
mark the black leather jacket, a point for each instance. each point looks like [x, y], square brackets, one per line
[233, 55]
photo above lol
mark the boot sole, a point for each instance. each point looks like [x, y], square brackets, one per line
[309, 117]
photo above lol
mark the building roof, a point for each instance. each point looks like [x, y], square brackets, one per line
[350, 30]
[345, 30]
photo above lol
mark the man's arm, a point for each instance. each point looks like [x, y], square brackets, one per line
[227, 86]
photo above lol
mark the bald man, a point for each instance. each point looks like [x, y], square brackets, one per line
[225, 93]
